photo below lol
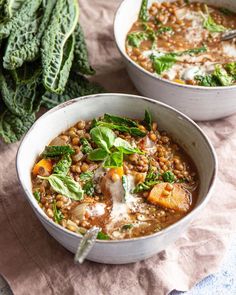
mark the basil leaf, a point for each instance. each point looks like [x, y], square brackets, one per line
[103, 137]
[86, 146]
[148, 120]
[168, 176]
[66, 186]
[131, 130]
[63, 166]
[119, 120]
[86, 175]
[57, 214]
[37, 195]
[102, 236]
[57, 150]
[125, 147]
[114, 160]
[143, 13]
[98, 155]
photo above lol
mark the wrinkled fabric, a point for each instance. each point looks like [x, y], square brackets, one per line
[34, 263]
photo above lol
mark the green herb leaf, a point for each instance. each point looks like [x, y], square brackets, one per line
[98, 155]
[102, 236]
[86, 146]
[57, 150]
[168, 176]
[192, 51]
[231, 69]
[63, 166]
[89, 188]
[131, 130]
[210, 25]
[164, 30]
[114, 160]
[57, 214]
[119, 120]
[66, 186]
[222, 76]
[136, 38]
[125, 147]
[103, 137]
[207, 80]
[163, 62]
[37, 195]
[143, 13]
[148, 120]
[145, 186]
[127, 226]
[86, 175]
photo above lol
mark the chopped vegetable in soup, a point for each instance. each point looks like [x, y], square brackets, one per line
[123, 175]
[181, 41]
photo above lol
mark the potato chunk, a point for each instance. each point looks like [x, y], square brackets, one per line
[170, 196]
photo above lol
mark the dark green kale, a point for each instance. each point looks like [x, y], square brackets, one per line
[58, 150]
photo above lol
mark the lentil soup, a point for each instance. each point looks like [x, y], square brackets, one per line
[181, 41]
[125, 176]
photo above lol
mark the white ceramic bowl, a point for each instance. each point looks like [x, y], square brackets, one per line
[185, 131]
[199, 103]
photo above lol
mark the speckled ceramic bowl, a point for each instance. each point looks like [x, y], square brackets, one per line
[199, 103]
[182, 129]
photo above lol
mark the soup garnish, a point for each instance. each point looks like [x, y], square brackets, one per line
[123, 175]
[181, 41]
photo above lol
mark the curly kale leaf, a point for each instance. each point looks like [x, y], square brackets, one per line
[76, 86]
[12, 127]
[20, 98]
[81, 62]
[58, 45]
[24, 44]
[23, 16]
[12, 6]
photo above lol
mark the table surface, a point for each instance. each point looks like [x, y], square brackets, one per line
[221, 283]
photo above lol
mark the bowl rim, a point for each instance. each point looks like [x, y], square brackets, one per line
[187, 217]
[150, 75]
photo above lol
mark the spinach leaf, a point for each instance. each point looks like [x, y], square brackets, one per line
[66, 186]
[12, 127]
[163, 62]
[57, 150]
[98, 155]
[114, 160]
[210, 25]
[102, 236]
[63, 166]
[86, 146]
[81, 61]
[143, 13]
[168, 176]
[58, 45]
[131, 130]
[103, 137]
[125, 147]
[37, 195]
[57, 214]
[119, 120]
[136, 38]
[89, 188]
[148, 120]
[86, 175]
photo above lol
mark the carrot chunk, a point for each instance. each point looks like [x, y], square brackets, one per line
[43, 165]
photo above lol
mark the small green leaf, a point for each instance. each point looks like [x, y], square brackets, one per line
[125, 147]
[86, 146]
[131, 130]
[103, 137]
[57, 214]
[54, 150]
[163, 62]
[98, 155]
[102, 236]
[63, 166]
[136, 38]
[89, 188]
[119, 120]
[148, 120]
[66, 186]
[164, 30]
[168, 176]
[37, 195]
[86, 175]
[143, 13]
[114, 160]
[127, 226]
[210, 25]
